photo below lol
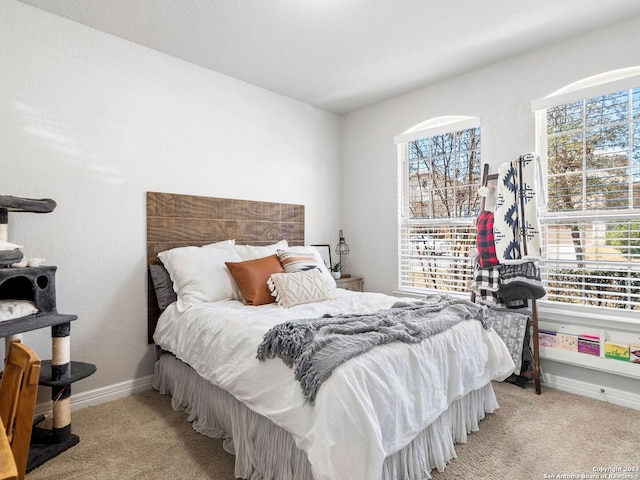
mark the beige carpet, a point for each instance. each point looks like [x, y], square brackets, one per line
[141, 437]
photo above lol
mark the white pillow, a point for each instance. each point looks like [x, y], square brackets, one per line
[251, 252]
[323, 268]
[297, 288]
[199, 273]
[10, 309]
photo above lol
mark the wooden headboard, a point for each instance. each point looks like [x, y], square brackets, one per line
[175, 220]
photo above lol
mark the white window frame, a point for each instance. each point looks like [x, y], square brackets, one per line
[584, 89]
[430, 128]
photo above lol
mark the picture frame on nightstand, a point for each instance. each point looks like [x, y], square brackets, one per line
[325, 253]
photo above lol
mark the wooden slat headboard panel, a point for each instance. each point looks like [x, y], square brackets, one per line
[175, 220]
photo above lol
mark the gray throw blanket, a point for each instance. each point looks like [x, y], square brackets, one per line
[316, 347]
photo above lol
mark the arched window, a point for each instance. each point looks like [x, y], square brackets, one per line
[439, 172]
[589, 143]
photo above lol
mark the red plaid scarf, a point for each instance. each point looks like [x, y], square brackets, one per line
[484, 240]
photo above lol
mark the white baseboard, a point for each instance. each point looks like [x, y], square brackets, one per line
[102, 394]
[611, 395]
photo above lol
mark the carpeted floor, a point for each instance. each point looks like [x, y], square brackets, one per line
[140, 437]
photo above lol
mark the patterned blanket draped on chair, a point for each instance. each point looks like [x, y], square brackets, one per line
[516, 226]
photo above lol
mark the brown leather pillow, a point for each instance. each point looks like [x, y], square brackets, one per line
[252, 277]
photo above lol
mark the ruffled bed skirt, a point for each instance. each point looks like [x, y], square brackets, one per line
[265, 451]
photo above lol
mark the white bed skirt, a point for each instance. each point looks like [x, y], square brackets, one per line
[265, 451]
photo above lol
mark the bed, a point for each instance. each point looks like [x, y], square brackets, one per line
[393, 412]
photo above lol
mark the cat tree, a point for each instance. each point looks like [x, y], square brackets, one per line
[37, 284]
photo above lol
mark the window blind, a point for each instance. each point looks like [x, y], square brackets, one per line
[439, 176]
[591, 228]
[434, 256]
[593, 261]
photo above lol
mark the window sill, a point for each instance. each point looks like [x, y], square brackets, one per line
[609, 319]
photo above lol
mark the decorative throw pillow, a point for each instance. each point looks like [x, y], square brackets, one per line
[162, 286]
[290, 289]
[293, 261]
[250, 252]
[311, 250]
[199, 273]
[252, 277]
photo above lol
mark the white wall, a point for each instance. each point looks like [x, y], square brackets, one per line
[500, 95]
[94, 122]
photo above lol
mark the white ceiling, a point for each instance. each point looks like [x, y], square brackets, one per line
[342, 55]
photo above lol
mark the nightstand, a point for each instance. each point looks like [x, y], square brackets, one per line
[355, 284]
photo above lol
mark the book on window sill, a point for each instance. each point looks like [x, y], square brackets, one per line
[567, 342]
[589, 344]
[616, 351]
[547, 338]
[634, 354]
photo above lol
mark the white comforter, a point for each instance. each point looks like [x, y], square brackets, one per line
[370, 407]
